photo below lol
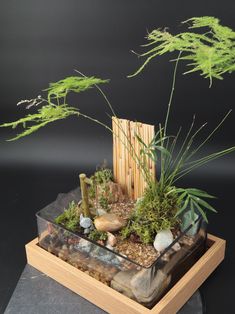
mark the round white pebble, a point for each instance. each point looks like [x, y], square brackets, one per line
[162, 240]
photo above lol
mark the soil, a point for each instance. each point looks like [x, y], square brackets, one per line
[144, 255]
[140, 253]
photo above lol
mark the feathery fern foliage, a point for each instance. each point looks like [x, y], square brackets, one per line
[46, 114]
[75, 84]
[51, 112]
[212, 52]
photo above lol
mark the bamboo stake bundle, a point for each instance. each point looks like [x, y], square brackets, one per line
[126, 170]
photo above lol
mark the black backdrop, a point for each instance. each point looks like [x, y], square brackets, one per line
[44, 41]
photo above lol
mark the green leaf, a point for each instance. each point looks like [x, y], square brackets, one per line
[183, 207]
[204, 204]
[140, 140]
[182, 196]
[201, 211]
[163, 150]
[192, 211]
[201, 193]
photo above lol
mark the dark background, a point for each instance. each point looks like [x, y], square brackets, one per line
[43, 41]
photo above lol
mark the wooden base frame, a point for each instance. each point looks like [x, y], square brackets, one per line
[114, 302]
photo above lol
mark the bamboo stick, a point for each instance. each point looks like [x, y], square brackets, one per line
[84, 193]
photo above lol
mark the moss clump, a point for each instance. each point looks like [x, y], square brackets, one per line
[103, 201]
[96, 235]
[154, 212]
[99, 181]
[70, 218]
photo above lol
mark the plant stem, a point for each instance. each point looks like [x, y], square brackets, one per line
[171, 94]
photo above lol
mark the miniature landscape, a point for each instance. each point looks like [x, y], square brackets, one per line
[135, 228]
[101, 244]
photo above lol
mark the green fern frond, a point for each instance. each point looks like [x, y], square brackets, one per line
[45, 115]
[51, 112]
[212, 53]
[75, 84]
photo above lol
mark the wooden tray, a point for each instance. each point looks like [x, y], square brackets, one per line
[114, 302]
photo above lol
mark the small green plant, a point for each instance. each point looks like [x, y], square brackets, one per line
[102, 176]
[96, 235]
[70, 218]
[100, 180]
[156, 211]
[193, 198]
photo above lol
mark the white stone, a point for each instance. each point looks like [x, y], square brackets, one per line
[162, 240]
[176, 247]
[85, 222]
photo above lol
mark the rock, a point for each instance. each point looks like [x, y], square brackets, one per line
[176, 247]
[149, 284]
[112, 191]
[101, 211]
[121, 282]
[86, 231]
[106, 258]
[162, 240]
[84, 246]
[108, 246]
[85, 222]
[111, 239]
[64, 253]
[109, 223]
[78, 259]
[187, 220]
[101, 242]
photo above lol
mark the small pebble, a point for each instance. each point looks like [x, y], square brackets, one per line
[111, 239]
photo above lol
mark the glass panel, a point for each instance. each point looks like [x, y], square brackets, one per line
[145, 285]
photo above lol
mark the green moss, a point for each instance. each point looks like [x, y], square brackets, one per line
[102, 176]
[96, 235]
[154, 212]
[100, 179]
[103, 202]
[70, 218]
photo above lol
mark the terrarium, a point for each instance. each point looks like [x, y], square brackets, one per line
[134, 227]
[135, 269]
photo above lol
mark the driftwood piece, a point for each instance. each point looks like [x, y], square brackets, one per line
[126, 171]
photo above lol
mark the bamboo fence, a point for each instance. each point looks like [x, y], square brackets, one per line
[126, 171]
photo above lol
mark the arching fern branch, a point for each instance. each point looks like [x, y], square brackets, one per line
[46, 114]
[75, 84]
[51, 112]
[212, 53]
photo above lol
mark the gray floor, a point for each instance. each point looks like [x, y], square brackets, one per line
[36, 293]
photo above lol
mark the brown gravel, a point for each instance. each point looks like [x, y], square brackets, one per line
[122, 210]
[140, 253]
